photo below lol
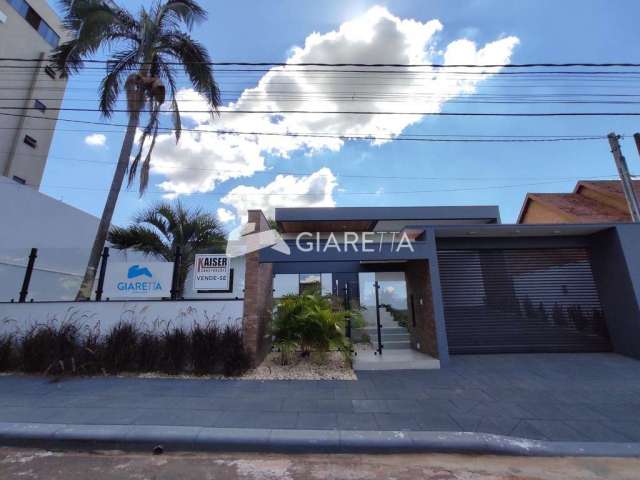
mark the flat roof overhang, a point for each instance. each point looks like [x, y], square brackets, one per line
[521, 230]
[344, 219]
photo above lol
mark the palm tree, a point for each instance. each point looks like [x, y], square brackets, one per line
[147, 52]
[158, 230]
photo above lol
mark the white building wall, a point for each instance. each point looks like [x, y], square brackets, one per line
[18, 39]
[17, 318]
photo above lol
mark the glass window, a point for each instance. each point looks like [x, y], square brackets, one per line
[34, 19]
[310, 283]
[20, 5]
[285, 284]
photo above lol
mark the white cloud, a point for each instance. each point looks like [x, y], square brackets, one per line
[96, 140]
[203, 159]
[315, 190]
[225, 216]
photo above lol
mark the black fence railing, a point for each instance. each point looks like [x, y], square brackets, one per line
[13, 271]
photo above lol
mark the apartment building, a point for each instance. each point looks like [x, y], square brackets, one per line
[30, 92]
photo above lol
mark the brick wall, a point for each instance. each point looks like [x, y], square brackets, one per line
[258, 297]
[419, 286]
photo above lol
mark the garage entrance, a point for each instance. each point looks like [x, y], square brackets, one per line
[521, 300]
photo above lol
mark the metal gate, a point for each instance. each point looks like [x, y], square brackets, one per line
[521, 300]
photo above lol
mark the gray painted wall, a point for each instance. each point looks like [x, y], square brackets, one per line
[616, 267]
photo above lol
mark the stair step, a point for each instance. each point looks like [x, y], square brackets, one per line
[386, 330]
[396, 345]
[395, 337]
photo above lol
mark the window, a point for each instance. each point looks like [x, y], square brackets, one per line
[35, 20]
[310, 283]
[32, 142]
[50, 71]
[21, 6]
[40, 106]
[20, 180]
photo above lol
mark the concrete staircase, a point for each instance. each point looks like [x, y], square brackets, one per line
[394, 336]
[397, 353]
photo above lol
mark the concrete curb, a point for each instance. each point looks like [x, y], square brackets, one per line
[144, 438]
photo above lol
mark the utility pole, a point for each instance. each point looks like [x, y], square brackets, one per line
[623, 171]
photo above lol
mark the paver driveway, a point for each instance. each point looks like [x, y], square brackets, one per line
[564, 397]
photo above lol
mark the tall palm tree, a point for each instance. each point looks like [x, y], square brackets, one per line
[158, 230]
[147, 52]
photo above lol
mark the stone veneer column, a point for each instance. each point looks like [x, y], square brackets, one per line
[258, 297]
[419, 285]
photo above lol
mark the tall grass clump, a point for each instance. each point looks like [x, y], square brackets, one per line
[235, 358]
[121, 348]
[7, 353]
[175, 348]
[206, 342]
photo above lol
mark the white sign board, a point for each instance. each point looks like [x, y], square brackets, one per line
[138, 280]
[212, 273]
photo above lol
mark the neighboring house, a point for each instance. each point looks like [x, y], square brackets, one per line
[598, 201]
[32, 93]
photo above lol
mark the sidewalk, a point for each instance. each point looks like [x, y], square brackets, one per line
[591, 398]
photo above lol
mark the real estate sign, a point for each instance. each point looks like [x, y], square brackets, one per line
[211, 273]
[138, 280]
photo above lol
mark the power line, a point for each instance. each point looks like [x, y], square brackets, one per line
[306, 174]
[367, 137]
[370, 112]
[278, 194]
[393, 65]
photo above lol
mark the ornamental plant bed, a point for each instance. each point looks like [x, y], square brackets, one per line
[326, 366]
[66, 348]
[309, 339]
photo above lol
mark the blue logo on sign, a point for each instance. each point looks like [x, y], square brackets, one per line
[139, 286]
[137, 271]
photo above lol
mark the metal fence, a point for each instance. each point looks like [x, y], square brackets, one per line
[55, 274]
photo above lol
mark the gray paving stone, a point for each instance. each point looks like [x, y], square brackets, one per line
[578, 397]
[371, 406]
[357, 421]
[259, 420]
[630, 429]
[556, 430]
[397, 421]
[193, 418]
[407, 406]
[328, 421]
[597, 431]
[526, 429]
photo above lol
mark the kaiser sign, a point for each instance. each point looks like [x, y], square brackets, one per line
[212, 273]
[138, 280]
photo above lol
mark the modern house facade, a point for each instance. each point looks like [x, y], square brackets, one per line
[469, 284]
[32, 92]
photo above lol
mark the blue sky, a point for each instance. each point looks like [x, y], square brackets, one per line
[432, 173]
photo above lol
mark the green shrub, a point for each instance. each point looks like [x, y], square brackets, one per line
[205, 348]
[309, 322]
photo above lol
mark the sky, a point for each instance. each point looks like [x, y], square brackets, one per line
[227, 174]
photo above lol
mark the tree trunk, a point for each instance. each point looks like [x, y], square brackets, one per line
[84, 293]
